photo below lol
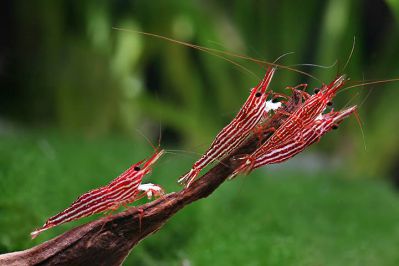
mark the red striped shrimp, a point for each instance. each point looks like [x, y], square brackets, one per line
[303, 138]
[232, 135]
[123, 190]
[313, 106]
[281, 111]
[306, 113]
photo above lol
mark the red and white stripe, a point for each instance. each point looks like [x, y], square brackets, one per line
[302, 139]
[304, 115]
[236, 131]
[120, 191]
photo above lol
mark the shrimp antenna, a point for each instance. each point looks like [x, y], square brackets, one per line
[281, 56]
[351, 99]
[358, 120]
[228, 60]
[210, 51]
[350, 54]
[315, 65]
[369, 83]
[213, 51]
[360, 123]
[147, 139]
[160, 130]
[160, 134]
[357, 116]
[277, 59]
[367, 96]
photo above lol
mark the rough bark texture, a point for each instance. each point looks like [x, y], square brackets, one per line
[109, 240]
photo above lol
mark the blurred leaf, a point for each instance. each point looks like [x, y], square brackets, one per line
[394, 5]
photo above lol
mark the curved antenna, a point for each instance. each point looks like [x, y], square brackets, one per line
[357, 116]
[204, 49]
[147, 139]
[369, 83]
[365, 98]
[351, 100]
[160, 126]
[315, 65]
[277, 59]
[281, 56]
[210, 50]
[160, 134]
[350, 54]
[228, 60]
[360, 123]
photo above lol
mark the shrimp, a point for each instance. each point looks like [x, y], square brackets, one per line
[123, 190]
[306, 113]
[232, 135]
[313, 106]
[303, 138]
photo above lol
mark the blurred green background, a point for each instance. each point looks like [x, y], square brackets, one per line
[75, 94]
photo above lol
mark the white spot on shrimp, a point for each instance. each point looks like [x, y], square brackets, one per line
[319, 117]
[270, 105]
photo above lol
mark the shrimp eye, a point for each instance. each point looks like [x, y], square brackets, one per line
[258, 94]
[274, 100]
[335, 126]
[330, 103]
[316, 90]
[137, 168]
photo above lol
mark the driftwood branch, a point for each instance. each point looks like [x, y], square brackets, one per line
[109, 240]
